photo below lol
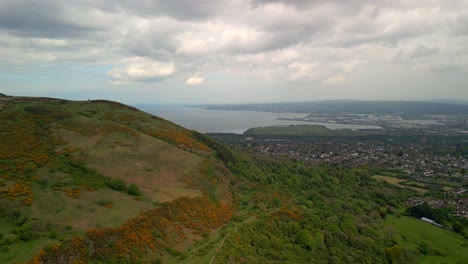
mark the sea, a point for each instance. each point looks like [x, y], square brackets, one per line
[223, 121]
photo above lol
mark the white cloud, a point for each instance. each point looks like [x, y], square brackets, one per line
[195, 80]
[324, 73]
[140, 69]
[285, 55]
[47, 42]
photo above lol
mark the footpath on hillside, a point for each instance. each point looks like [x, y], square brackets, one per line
[224, 239]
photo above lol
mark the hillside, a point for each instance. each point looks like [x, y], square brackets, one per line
[102, 182]
[76, 173]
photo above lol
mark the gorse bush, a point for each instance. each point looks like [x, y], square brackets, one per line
[133, 190]
[117, 184]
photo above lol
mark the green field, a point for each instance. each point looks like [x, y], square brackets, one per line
[444, 246]
[397, 182]
[300, 130]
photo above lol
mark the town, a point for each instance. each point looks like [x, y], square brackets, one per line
[417, 160]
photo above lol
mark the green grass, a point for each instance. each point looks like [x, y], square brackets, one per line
[445, 246]
[389, 173]
[397, 182]
[24, 251]
[86, 212]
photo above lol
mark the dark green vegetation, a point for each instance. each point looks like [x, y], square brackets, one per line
[312, 133]
[352, 106]
[366, 189]
[316, 214]
[101, 182]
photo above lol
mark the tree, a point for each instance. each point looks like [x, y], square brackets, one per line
[424, 248]
[393, 253]
[458, 227]
[305, 240]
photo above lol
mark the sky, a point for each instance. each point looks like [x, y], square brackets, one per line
[234, 51]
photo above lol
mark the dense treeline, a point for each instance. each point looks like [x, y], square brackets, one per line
[223, 152]
[315, 214]
[424, 210]
[440, 215]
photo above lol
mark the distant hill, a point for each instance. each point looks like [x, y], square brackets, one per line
[103, 172]
[352, 106]
[449, 101]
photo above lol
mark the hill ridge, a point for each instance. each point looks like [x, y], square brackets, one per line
[68, 167]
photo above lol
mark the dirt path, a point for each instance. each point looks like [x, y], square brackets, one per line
[224, 239]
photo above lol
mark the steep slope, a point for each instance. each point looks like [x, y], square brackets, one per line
[96, 174]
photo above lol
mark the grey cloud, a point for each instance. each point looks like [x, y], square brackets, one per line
[151, 44]
[180, 9]
[423, 51]
[307, 3]
[188, 9]
[460, 25]
[445, 68]
[40, 19]
[334, 23]
[273, 38]
[415, 55]
[290, 2]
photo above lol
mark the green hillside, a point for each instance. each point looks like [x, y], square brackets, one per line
[71, 168]
[435, 244]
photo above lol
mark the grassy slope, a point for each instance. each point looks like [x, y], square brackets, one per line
[157, 167]
[446, 246]
[164, 160]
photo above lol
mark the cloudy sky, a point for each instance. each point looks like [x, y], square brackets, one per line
[228, 51]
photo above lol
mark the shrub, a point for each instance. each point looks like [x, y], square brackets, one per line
[457, 227]
[424, 248]
[133, 190]
[173, 252]
[105, 203]
[117, 184]
[25, 232]
[393, 253]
